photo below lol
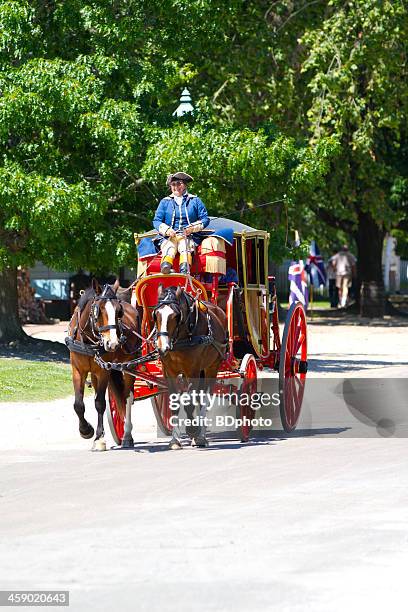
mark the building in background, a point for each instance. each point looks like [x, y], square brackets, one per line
[59, 291]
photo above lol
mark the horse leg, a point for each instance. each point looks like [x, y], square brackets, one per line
[174, 388]
[127, 441]
[100, 384]
[210, 374]
[78, 378]
[200, 439]
[197, 432]
[175, 442]
[192, 431]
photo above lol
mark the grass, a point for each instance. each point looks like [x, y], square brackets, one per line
[22, 380]
[317, 305]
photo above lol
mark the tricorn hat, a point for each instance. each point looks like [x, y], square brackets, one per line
[179, 176]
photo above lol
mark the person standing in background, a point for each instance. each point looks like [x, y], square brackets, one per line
[345, 266]
[331, 276]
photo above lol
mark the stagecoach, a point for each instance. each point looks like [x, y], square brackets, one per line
[230, 269]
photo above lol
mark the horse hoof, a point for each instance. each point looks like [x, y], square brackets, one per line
[201, 442]
[175, 445]
[127, 443]
[87, 433]
[99, 445]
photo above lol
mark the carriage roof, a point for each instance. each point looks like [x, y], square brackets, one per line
[219, 223]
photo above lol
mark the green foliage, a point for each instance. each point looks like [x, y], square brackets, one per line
[243, 174]
[299, 121]
[357, 68]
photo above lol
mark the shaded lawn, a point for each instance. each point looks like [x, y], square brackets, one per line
[317, 304]
[23, 380]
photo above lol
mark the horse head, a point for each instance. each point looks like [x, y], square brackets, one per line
[107, 312]
[171, 312]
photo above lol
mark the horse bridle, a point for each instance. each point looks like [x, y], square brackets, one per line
[171, 300]
[94, 316]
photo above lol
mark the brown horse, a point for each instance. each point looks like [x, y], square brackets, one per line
[191, 340]
[102, 322]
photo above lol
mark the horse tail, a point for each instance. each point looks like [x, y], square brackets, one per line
[117, 388]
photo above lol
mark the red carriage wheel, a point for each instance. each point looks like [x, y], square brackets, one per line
[115, 420]
[248, 388]
[161, 408]
[293, 366]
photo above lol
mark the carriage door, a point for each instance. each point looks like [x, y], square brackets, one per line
[255, 292]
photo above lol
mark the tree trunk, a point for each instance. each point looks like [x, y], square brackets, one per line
[10, 326]
[370, 276]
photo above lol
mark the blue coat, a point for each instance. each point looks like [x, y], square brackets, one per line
[191, 210]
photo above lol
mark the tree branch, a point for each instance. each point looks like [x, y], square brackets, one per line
[333, 221]
[269, 10]
[119, 211]
[296, 13]
[217, 93]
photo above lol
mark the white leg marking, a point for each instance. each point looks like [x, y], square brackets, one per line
[128, 419]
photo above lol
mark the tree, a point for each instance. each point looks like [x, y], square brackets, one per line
[87, 89]
[286, 92]
[79, 83]
[244, 174]
[357, 72]
[313, 69]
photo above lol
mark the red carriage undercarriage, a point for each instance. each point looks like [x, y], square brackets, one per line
[250, 304]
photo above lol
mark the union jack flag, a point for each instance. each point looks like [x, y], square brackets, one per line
[298, 283]
[315, 266]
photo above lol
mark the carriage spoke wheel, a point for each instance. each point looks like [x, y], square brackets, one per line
[293, 366]
[248, 388]
[161, 409]
[115, 420]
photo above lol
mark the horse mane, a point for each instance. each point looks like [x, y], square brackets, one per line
[170, 293]
[108, 292]
[125, 294]
[87, 295]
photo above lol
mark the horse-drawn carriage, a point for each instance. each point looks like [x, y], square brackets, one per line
[229, 270]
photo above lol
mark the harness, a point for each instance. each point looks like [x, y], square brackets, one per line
[94, 316]
[196, 305]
